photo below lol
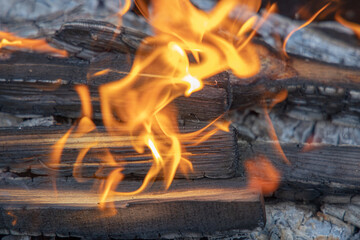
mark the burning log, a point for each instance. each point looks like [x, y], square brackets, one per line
[34, 84]
[189, 209]
[27, 151]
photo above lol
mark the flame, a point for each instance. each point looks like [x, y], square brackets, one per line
[302, 26]
[185, 50]
[124, 8]
[15, 218]
[38, 45]
[353, 26]
[100, 73]
[280, 97]
[262, 175]
[85, 125]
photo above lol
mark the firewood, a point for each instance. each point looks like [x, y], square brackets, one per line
[189, 209]
[29, 149]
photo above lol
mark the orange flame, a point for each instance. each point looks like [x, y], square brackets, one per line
[302, 26]
[100, 73]
[262, 175]
[124, 8]
[85, 125]
[38, 45]
[140, 104]
[353, 26]
[281, 96]
[144, 105]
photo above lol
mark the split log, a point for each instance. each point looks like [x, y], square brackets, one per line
[189, 209]
[28, 150]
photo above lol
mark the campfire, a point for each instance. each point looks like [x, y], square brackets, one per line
[177, 119]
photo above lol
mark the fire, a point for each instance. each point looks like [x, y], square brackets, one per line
[185, 50]
[353, 26]
[281, 96]
[262, 175]
[310, 20]
[38, 45]
[145, 105]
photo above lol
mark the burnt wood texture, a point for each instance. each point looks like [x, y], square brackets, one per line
[197, 208]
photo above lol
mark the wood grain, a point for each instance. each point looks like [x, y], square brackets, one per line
[23, 150]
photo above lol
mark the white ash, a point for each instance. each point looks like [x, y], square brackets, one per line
[289, 220]
[252, 125]
[8, 120]
[37, 122]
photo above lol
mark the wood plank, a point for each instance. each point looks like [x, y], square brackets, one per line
[189, 209]
[327, 168]
[23, 150]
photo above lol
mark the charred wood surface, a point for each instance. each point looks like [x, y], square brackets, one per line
[189, 209]
[28, 150]
[325, 168]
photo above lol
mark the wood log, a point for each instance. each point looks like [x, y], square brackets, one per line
[300, 76]
[26, 71]
[29, 85]
[28, 150]
[189, 209]
[322, 41]
[326, 168]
